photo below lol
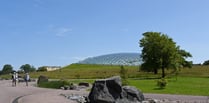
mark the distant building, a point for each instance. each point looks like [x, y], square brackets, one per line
[131, 59]
[52, 68]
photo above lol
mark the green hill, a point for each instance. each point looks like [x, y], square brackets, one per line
[91, 71]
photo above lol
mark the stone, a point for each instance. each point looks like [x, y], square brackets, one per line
[42, 79]
[83, 84]
[72, 87]
[110, 90]
[133, 94]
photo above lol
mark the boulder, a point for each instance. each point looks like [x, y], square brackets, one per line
[110, 90]
[84, 84]
[42, 79]
[72, 87]
[132, 94]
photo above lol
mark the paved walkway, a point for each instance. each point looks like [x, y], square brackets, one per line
[32, 94]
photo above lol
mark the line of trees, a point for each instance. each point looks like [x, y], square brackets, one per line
[7, 69]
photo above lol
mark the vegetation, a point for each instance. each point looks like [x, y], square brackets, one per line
[184, 85]
[42, 69]
[124, 75]
[7, 69]
[162, 83]
[191, 81]
[206, 62]
[53, 84]
[27, 68]
[161, 52]
[90, 71]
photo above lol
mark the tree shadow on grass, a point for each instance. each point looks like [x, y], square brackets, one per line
[158, 88]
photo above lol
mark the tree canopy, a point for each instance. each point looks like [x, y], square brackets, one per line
[7, 69]
[42, 69]
[206, 62]
[160, 52]
[27, 68]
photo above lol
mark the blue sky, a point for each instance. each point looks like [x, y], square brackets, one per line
[61, 32]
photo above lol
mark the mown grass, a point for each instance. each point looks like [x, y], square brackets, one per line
[183, 85]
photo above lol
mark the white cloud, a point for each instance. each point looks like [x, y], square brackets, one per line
[61, 32]
[53, 30]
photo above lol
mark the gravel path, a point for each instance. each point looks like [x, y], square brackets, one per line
[178, 98]
[32, 94]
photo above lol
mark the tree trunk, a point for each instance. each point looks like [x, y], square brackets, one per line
[155, 71]
[163, 72]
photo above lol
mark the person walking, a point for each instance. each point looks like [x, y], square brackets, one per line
[14, 78]
[27, 78]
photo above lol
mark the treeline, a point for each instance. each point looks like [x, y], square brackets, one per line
[204, 63]
[26, 68]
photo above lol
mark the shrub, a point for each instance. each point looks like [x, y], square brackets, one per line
[124, 75]
[42, 79]
[42, 69]
[54, 84]
[162, 83]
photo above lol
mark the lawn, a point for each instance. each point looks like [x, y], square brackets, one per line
[183, 85]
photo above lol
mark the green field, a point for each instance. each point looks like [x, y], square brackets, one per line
[184, 85]
[190, 81]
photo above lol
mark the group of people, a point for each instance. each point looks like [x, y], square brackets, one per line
[15, 78]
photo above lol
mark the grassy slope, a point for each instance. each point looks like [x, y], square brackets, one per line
[76, 71]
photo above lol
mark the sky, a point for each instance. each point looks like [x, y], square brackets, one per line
[61, 32]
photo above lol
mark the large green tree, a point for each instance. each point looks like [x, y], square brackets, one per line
[7, 69]
[27, 68]
[160, 52]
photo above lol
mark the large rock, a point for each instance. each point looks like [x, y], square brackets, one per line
[111, 91]
[132, 94]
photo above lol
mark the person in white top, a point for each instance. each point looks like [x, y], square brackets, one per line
[14, 79]
[27, 78]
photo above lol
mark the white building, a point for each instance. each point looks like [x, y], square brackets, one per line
[52, 68]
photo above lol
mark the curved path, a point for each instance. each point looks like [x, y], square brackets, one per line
[32, 94]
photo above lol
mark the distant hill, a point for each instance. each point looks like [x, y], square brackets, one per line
[114, 59]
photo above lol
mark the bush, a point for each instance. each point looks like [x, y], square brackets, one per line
[162, 83]
[125, 82]
[124, 75]
[53, 84]
[42, 69]
[42, 79]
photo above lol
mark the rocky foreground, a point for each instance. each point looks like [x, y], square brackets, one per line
[110, 90]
